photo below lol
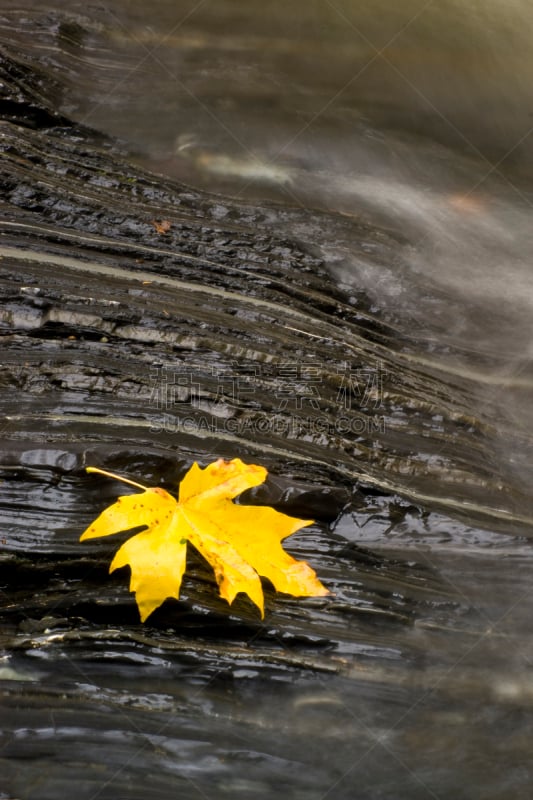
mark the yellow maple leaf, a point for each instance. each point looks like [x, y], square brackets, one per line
[240, 542]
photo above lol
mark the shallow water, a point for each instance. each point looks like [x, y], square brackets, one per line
[373, 261]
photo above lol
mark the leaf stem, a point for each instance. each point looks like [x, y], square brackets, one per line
[116, 477]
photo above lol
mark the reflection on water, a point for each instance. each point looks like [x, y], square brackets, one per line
[405, 123]
[286, 79]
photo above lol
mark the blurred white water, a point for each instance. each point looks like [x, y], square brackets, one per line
[414, 116]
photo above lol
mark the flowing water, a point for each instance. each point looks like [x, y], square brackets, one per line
[344, 294]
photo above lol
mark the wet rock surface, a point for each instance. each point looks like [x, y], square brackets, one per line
[141, 351]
